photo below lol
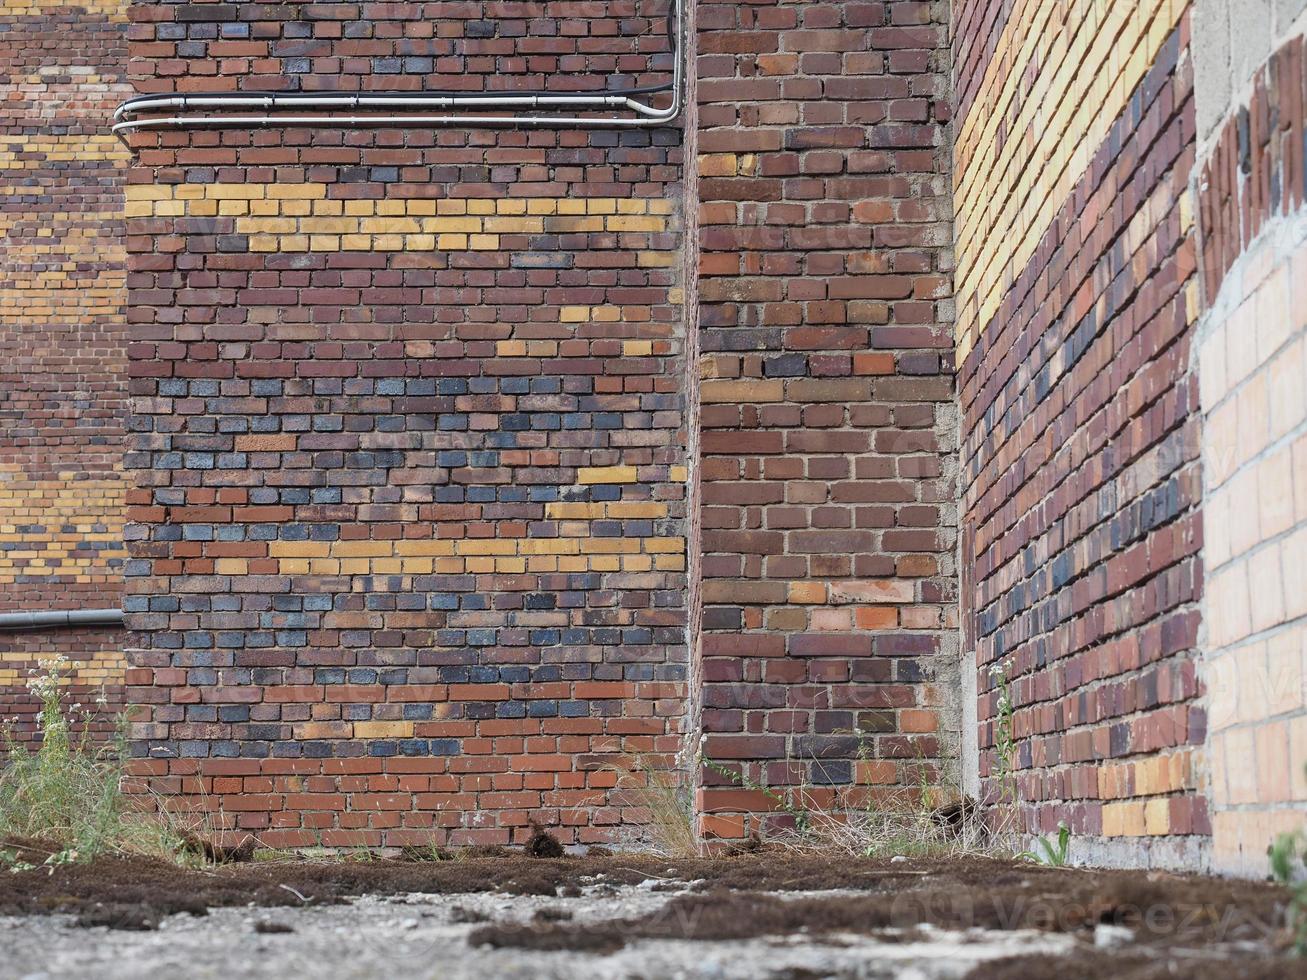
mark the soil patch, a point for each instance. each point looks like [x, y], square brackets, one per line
[542, 845]
[272, 928]
[1158, 910]
[721, 898]
[1097, 965]
[215, 853]
[135, 893]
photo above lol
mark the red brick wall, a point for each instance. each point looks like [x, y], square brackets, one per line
[412, 422]
[62, 339]
[1080, 480]
[409, 413]
[826, 388]
[433, 519]
[1254, 168]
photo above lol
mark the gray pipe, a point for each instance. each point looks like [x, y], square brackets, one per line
[126, 120]
[386, 121]
[369, 101]
[46, 619]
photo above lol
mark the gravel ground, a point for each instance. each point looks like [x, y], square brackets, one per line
[427, 936]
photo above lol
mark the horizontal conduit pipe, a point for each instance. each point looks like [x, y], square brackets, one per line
[372, 101]
[364, 122]
[46, 619]
[273, 103]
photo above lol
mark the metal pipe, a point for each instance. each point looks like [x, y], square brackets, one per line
[363, 122]
[56, 618]
[157, 100]
[379, 100]
[646, 116]
[127, 121]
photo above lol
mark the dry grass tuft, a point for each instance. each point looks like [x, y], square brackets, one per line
[897, 824]
[670, 829]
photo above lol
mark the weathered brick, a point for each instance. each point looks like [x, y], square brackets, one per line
[410, 413]
[800, 318]
[1065, 581]
[449, 375]
[63, 344]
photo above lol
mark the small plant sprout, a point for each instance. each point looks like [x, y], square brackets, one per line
[1004, 770]
[1289, 867]
[801, 815]
[1046, 852]
[671, 811]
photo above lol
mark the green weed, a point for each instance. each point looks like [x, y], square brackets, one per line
[66, 795]
[1055, 855]
[1289, 867]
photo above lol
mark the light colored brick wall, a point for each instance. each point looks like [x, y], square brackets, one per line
[1253, 379]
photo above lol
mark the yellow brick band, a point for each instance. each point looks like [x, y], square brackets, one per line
[67, 528]
[38, 152]
[114, 10]
[302, 218]
[103, 668]
[1092, 54]
[633, 510]
[606, 474]
[455, 556]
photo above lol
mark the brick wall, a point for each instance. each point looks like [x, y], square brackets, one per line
[469, 462]
[1251, 366]
[409, 409]
[412, 430]
[1080, 482]
[62, 338]
[828, 596]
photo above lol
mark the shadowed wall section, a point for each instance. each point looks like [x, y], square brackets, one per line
[1076, 295]
[828, 428]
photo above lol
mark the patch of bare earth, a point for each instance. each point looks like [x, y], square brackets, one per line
[1156, 922]
[1123, 925]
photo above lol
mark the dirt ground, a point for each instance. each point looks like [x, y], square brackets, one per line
[768, 914]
